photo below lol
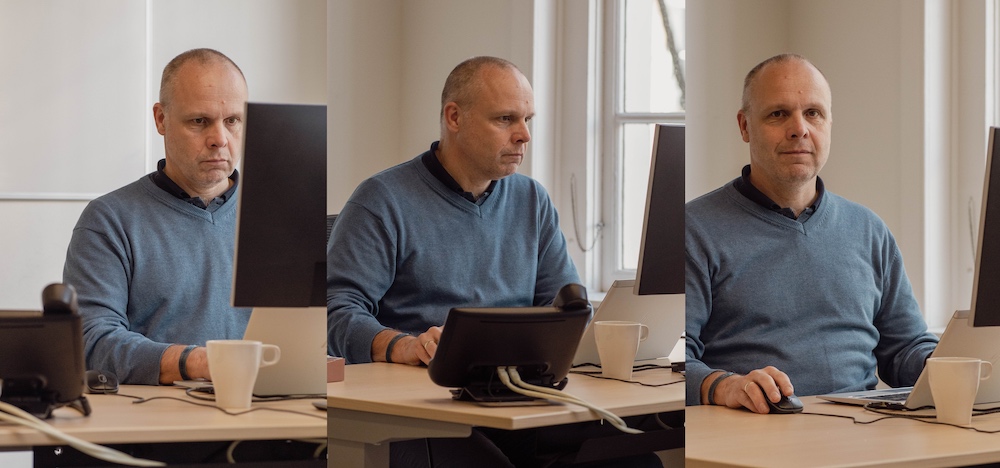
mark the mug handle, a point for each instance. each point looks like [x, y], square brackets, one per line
[643, 332]
[264, 362]
[985, 370]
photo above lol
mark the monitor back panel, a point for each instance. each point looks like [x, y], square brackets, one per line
[300, 332]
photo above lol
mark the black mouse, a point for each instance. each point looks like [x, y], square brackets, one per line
[97, 381]
[786, 405]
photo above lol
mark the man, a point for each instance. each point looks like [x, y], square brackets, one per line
[455, 226]
[152, 261]
[787, 282]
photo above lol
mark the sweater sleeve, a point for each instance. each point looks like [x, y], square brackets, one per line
[698, 306]
[98, 266]
[360, 269]
[904, 342]
[555, 267]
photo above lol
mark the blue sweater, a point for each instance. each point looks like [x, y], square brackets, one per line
[406, 249]
[151, 270]
[824, 298]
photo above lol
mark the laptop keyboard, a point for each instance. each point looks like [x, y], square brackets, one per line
[901, 396]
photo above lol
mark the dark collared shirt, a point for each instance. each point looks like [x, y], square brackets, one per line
[432, 163]
[744, 186]
[162, 181]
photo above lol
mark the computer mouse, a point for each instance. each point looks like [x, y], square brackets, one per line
[98, 381]
[786, 405]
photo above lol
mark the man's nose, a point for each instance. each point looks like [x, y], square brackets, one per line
[797, 127]
[218, 135]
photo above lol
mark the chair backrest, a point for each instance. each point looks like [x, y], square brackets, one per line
[330, 219]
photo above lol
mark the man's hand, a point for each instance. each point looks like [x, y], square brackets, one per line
[749, 390]
[412, 350]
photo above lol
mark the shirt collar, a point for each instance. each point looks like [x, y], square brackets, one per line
[164, 182]
[747, 189]
[434, 165]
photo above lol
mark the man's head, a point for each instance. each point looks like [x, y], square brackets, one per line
[485, 108]
[786, 118]
[203, 97]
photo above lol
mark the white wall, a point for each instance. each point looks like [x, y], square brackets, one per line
[394, 56]
[78, 84]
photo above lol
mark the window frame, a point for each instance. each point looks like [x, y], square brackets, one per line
[613, 120]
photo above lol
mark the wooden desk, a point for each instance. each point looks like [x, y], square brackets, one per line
[116, 420]
[379, 403]
[719, 437]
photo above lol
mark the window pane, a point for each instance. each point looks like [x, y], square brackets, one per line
[651, 81]
[637, 148]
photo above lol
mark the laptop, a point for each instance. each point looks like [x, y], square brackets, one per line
[960, 339]
[662, 313]
[300, 332]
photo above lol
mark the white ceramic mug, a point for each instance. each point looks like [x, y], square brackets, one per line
[617, 343]
[234, 365]
[954, 383]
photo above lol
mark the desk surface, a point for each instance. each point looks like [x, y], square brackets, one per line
[407, 391]
[719, 436]
[115, 419]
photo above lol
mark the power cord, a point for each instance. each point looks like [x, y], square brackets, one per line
[512, 379]
[231, 413]
[596, 374]
[13, 414]
[321, 446]
[898, 414]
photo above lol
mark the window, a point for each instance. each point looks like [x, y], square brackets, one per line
[644, 85]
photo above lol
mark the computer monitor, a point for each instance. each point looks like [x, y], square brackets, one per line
[280, 261]
[985, 309]
[661, 251]
[280, 256]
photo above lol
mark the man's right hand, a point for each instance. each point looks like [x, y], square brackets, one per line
[749, 391]
[412, 350]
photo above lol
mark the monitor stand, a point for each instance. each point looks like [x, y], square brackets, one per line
[497, 394]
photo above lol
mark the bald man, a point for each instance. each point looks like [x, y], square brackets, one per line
[791, 288]
[453, 227]
[152, 261]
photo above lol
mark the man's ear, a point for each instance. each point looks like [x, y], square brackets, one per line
[741, 119]
[452, 116]
[158, 117]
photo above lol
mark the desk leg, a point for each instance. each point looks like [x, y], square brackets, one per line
[345, 454]
[361, 440]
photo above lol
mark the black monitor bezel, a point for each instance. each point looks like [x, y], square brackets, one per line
[280, 254]
[661, 266]
[986, 281]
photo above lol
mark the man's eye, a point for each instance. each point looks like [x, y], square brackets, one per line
[198, 121]
[775, 114]
[232, 120]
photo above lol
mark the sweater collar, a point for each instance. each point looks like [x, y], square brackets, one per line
[743, 185]
[162, 181]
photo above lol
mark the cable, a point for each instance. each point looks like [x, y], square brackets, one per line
[512, 379]
[13, 414]
[596, 374]
[231, 413]
[889, 415]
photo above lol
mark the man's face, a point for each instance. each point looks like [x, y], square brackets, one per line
[202, 126]
[492, 131]
[787, 124]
